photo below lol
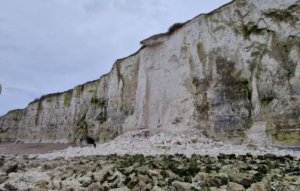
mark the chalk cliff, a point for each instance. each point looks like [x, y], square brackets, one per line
[233, 73]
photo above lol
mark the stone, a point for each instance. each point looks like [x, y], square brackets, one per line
[19, 159]
[261, 186]
[216, 180]
[139, 186]
[156, 188]
[142, 169]
[129, 169]
[10, 187]
[148, 186]
[102, 174]
[43, 185]
[69, 184]
[120, 189]
[242, 178]
[10, 167]
[143, 178]
[56, 184]
[94, 186]
[132, 181]
[232, 186]
[200, 178]
[153, 173]
[285, 187]
[86, 182]
[82, 189]
[2, 159]
[171, 175]
[215, 189]
[297, 181]
[289, 178]
[181, 186]
[3, 178]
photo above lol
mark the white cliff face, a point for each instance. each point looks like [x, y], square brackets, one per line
[220, 73]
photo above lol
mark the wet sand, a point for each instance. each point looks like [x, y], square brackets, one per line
[31, 148]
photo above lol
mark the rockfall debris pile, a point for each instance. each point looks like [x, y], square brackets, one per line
[151, 142]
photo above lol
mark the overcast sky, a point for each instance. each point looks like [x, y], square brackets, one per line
[49, 46]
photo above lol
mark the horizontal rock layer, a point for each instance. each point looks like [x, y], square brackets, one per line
[222, 72]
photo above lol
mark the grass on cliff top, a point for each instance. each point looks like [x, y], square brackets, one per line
[43, 97]
[175, 27]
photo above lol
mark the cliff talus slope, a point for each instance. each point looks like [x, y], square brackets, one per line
[224, 72]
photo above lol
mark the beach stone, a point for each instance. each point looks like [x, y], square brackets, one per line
[82, 189]
[69, 188]
[3, 178]
[297, 181]
[194, 140]
[226, 156]
[242, 178]
[109, 185]
[153, 173]
[102, 174]
[56, 184]
[32, 156]
[155, 180]
[124, 188]
[261, 186]
[19, 159]
[94, 187]
[252, 146]
[128, 170]
[289, 178]
[216, 189]
[166, 188]
[2, 159]
[70, 184]
[143, 178]
[216, 180]
[43, 185]
[10, 167]
[133, 181]
[171, 175]
[10, 187]
[156, 188]
[285, 187]
[148, 187]
[141, 185]
[181, 186]
[142, 169]
[85, 181]
[200, 177]
[232, 186]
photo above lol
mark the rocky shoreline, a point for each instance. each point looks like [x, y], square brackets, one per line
[162, 172]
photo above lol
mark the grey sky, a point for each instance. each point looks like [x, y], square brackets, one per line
[49, 46]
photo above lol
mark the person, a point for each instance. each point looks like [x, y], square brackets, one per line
[94, 145]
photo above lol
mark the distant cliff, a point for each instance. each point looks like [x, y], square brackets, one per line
[224, 72]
